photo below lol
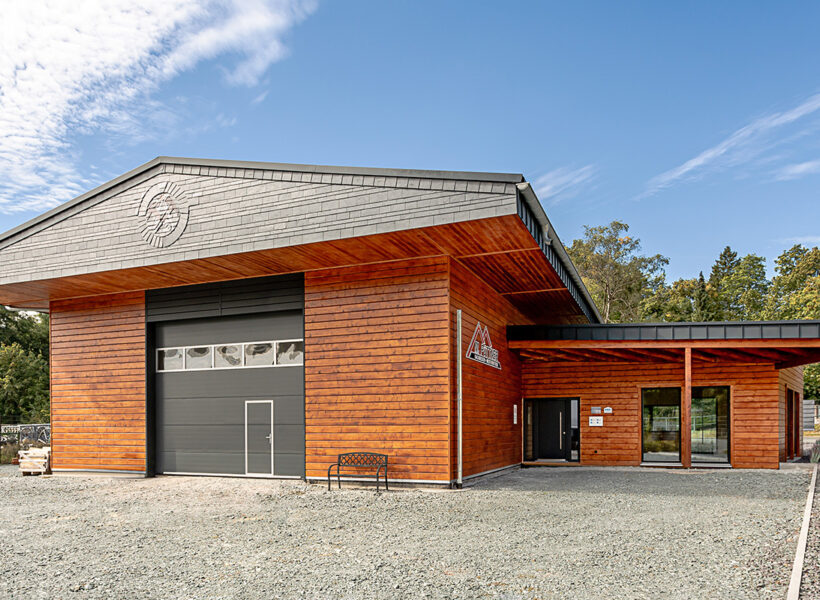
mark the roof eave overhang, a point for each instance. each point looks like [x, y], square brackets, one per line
[527, 195]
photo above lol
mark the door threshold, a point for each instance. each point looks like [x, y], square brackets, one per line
[661, 464]
[551, 463]
[711, 465]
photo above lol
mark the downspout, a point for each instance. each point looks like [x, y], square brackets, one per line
[459, 398]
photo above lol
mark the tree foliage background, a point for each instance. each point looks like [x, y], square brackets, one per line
[628, 286]
[24, 393]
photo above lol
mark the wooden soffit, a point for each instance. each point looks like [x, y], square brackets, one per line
[782, 353]
[500, 250]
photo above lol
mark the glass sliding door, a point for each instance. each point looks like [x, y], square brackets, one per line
[661, 424]
[710, 424]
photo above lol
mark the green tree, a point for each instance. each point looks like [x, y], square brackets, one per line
[685, 300]
[811, 382]
[670, 303]
[795, 289]
[24, 395]
[27, 329]
[704, 305]
[24, 389]
[795, 294]
[740, 286]
[724, 266]
[616, 274]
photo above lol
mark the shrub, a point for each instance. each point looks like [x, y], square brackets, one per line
[815, 452]
[7, 452]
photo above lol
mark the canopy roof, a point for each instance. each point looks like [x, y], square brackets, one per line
[783, 343]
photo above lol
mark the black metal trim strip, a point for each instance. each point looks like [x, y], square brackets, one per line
[717, 330]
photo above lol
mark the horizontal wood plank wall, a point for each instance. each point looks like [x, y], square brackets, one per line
[754, 405]
[98, 383]
[376, 366]
[491, 437]
[792, 379]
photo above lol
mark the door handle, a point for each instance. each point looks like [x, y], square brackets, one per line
[561, 431]
[269, 437]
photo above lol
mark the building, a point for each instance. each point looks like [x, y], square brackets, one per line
[257, 319]
[811, 414]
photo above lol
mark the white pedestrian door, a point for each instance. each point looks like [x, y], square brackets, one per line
[259, 437]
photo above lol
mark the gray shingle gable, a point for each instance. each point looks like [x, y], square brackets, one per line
[238, 207]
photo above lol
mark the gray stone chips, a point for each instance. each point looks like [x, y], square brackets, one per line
[535, 533]
[810, 585]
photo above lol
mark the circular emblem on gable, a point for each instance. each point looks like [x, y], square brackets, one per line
[163, 214]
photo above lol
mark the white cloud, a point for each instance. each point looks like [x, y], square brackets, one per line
[741, 146]
[260, 98]
[92, 67]
[798, 170]
[806, 240]
[562, 183]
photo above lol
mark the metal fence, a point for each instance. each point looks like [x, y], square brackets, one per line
[33, 434]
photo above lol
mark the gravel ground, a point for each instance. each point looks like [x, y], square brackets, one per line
[533, 533]
[810, 584]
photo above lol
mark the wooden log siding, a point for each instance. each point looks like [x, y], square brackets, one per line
[491, 439]
[376, 366]
[754, 404]
[98, 383]
[791, 379]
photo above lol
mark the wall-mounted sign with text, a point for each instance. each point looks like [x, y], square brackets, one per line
[481, 348]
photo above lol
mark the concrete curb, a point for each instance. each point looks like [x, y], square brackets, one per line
[800, 554]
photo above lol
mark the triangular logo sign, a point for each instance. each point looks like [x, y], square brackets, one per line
[481, 348]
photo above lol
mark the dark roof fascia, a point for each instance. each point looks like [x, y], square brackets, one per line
[552, 241]
[341, 170]
[714, 330]
[513, 178]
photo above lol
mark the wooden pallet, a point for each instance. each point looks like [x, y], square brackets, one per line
[35, 461]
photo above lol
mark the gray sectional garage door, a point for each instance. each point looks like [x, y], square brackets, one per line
[229, 390]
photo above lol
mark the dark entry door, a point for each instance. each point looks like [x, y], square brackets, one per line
[551, 420]
[259, 437]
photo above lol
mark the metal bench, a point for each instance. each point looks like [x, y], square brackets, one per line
[359, 460]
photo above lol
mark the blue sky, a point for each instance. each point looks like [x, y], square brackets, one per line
[696, 123]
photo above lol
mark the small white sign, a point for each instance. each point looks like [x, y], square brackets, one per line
[595, 410]
[515, 414]
[596, 421]
[608, 410]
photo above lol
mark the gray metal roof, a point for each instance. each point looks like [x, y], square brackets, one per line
[266, 166]
[744, 330]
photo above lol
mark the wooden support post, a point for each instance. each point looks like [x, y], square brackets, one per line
[686, 411]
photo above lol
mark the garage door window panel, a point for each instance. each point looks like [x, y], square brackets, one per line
[278, 353]
[260, 354]
[169, 359]
[228, 356]
[198, 357]
[290, 352]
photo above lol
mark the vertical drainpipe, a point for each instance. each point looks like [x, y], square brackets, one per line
[459, 396]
